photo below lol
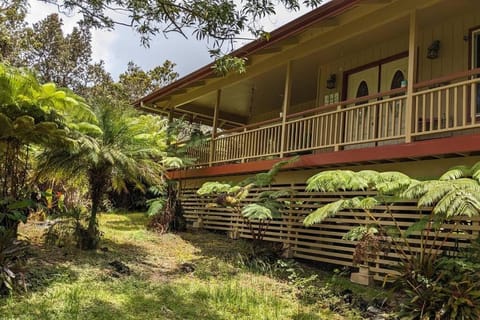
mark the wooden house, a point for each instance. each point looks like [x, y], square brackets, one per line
[357, 84]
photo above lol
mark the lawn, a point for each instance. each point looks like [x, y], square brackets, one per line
[195, 275]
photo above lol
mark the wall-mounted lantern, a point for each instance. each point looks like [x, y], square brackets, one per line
[332, 81]
[433, 50]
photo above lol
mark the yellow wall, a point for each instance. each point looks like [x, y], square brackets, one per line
[424, 169]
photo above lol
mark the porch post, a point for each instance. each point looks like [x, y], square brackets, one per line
[412, 50]
[215, 126]
[170, 120]
[285, 106]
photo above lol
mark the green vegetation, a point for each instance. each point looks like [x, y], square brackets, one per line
[126, 150]
[259, 214]
[436, 286]
[181, 276]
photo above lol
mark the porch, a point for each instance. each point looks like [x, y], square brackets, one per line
[439, 108]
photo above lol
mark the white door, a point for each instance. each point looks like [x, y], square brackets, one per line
[392, 113]
[360, 121]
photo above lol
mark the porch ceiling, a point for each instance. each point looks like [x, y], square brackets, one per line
[261, 90]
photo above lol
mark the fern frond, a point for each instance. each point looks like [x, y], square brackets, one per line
[327, 211]
[368, 203]
[456, 173]
[212, 187]
[256, 212]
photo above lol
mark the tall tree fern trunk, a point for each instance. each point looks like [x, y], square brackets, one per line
[97, 181]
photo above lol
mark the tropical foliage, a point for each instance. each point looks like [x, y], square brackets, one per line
[266, 206]
[31, 115]
[436, 287]
[127, 150]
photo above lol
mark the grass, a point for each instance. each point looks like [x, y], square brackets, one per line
[65, 283]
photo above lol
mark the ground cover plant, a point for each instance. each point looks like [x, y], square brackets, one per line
[169, 276]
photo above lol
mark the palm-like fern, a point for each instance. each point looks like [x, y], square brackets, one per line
[385, 184]
[128, 150]
[266, 207]
[456, 193]
[31, 115]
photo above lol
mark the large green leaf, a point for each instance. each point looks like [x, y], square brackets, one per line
[256, 212]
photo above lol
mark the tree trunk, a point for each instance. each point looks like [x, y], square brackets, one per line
[97, 180]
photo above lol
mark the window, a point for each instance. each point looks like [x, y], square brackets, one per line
[397, 80]
[362, 91]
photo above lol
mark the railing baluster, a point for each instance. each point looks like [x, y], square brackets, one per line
[464, 106]
[473, 103]
[455, 107]
[432, 106]
[439, 111]
[447, 109]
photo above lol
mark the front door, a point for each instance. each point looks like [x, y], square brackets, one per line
[360, 121]
[376, 120]
[392, 115]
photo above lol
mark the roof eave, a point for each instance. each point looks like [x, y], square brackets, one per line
[296, 26]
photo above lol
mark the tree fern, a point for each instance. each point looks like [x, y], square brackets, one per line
[327, 211]
[255, 211]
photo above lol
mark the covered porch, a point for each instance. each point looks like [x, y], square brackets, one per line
[361, 74]
[438, 108]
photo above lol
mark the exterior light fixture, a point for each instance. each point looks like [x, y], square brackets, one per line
[332, 81]
[433, 50]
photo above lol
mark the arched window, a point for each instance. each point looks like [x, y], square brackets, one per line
[362, 90]
[397, 80]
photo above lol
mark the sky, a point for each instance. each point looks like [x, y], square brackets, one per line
[122, 45]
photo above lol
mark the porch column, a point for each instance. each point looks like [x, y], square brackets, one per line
[170, 120]
[215, 126]
[412, 51]
[285, 106]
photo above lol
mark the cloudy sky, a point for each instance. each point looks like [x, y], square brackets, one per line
[118, 47]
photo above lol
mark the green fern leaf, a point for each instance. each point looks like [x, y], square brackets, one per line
[256, 212]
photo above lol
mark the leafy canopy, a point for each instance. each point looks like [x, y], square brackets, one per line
[220, 20]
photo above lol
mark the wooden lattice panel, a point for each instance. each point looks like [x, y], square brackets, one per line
[324, 242]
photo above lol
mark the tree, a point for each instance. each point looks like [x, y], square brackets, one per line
[127, 150]
[12, 29]
[435, 285]
[30, 115]
[220, 20]
[60, 58]
[135, 83]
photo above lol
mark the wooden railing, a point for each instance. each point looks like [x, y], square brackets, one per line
[350, 124]
[200, 152]
[446, 108]
[441, 106]
[254, 143]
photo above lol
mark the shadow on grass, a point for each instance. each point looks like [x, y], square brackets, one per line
[39, 278]
[218, 245]
[134, 221]
[117, 300]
